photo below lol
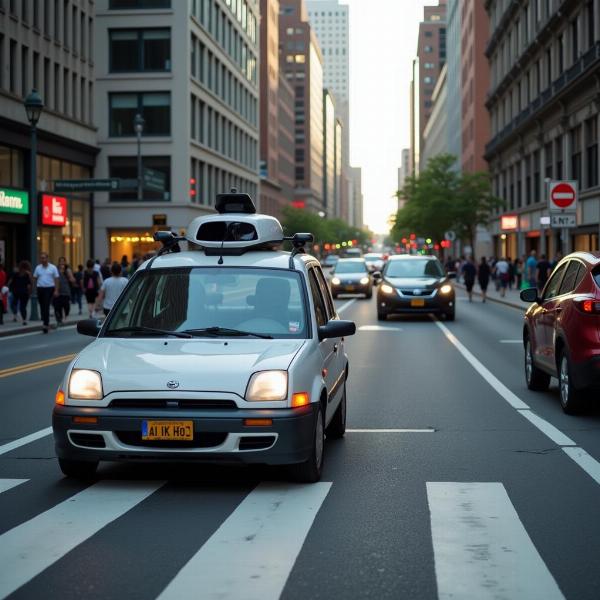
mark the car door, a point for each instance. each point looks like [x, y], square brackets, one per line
[328, 347]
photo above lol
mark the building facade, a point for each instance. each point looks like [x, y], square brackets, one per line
[454, 76]
[190, 69]
[543, 101]
[49, 47]
[435, 135]
[403, 173]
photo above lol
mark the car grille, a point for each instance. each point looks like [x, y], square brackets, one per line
[258, 442]
[159, 403]
[89, 440]
[423, 294]
[208, 439]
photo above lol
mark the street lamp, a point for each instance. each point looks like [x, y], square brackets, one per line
[33, 107]
[138, 126]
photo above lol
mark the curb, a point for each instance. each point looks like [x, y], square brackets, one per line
[521, 307]
[32, 329]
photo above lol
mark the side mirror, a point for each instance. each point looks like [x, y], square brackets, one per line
[89, 327]
[336, 329]
[530, 295]
[451, 274]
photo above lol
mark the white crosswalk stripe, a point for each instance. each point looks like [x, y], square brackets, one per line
[482, 551]
[28, 549]
[252, 554]
[9, 484]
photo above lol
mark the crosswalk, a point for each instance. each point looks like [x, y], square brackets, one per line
[481, 548]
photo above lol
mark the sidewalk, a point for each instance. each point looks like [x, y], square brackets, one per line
[11, 328]
[510, 299]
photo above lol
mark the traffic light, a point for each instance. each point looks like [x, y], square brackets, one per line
[192, 187]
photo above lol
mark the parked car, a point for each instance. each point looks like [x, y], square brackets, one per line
[351, 276]
[561, 330]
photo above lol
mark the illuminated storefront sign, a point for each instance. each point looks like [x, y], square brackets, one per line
[509, 222]
[54, 210]
[14, 201]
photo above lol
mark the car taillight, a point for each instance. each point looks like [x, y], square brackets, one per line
[589, 306]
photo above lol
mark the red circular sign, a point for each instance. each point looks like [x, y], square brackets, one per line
[563, 195]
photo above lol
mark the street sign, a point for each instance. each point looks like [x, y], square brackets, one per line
[564, 221]
[450, 236]
[563, 196]
[154, 180]
[86, 185]
[545, 221]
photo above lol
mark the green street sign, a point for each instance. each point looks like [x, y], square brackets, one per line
[154, 180]
[14, 201]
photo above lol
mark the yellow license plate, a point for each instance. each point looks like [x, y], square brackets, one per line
[350, 288]
[168, 430]
[417, 302]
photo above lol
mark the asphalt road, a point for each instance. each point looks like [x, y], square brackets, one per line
[453, 481]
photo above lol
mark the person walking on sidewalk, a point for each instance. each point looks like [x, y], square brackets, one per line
[531, 269]
[77, 287]
[62, 302]
[543, 272]
[502, 274]
[111, 288]
[91, 286]
[45, 281]
[20, 286]
[3, 293]
[469, 273]
[483, 277]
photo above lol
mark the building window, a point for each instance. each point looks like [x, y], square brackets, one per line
[140, 50]
[591, 136]
[125, 167]
[428, 65]
[576, 153]
[559, 158]
[124, 4]
[548, 156]
[155, 107]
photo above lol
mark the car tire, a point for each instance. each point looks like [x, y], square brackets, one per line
[78, 469]
[571, 398]
[337, 427]
[536, 379]
[450, 316]
[381, 316]
[310, 470]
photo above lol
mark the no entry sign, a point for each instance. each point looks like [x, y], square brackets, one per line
[563, 196]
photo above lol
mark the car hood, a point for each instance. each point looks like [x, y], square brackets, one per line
[411, 283]
[218, 365]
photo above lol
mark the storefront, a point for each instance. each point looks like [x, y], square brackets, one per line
[130, 242]
[14, 230]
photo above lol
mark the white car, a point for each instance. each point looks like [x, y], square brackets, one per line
[234, 353]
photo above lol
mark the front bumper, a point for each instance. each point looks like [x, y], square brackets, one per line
[351, 288]
[220, 435]
[389, 304]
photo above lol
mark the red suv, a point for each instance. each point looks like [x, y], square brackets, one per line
[562, 330]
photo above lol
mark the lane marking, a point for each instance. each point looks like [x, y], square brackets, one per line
[50, 362]
[590, 465]
[378, 328]
[511, 341]
[346, 305]
[28, 549]
[481, 548]
[9, 484]
[32, 437]
[390, 430]
[556, 435]
[22, 335]
[253, 552]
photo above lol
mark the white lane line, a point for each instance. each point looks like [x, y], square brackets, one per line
[22, 335]
[28, 549]
[346, 305]
[390, 430]
[511, 398]
[590, 465]
[9, 484]
[378, 328]
[253, 552]
[511, 341]
[481, 548]
[556, 435]
[32, 437]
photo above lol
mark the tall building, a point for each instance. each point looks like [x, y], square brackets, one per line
[356, 201]
[435, 135]
[330, 202]
[403, 173]
[302, 63]
[49, 47]
[190, 70]
[454, 77]
[543, 101]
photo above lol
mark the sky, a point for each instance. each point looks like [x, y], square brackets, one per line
[383, 43]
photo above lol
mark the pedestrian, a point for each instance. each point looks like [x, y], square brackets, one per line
[557, 258]
[135, 263]
[501, 269]
[469, 273]
[20, 285]
[483, 277]
[62, 302]
[449, 265]
[518, 270]
[111, 288]
[124, 263]
[98, 269]
[77, 288]
[105, 269]
[91, 286]
[45, 282]
[511, 272]
[543, 272]
[3, 293]
[531, 269]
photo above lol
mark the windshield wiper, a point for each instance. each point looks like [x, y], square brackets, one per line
[225, 331]
[149, 330]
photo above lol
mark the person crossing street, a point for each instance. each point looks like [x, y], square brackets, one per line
[45, 282]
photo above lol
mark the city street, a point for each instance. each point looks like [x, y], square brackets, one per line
[453, 480]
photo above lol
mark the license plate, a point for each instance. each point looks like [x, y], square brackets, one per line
[168, 430]
[417, 302]
[350, 288]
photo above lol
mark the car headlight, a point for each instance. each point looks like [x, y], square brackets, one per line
[445, 289]
[387, 289]
[336, 281]
[267, 386]
[364, 280]
[85, 385]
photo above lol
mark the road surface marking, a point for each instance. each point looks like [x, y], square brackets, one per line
[481, 548]
[28, 549]
[511, 341]
[590, 465]
[32, 437]
[22, 335]
[36, 365]
[390, 430]
[9, 484]
[253, 552]
[346, 305]
[378, 328]
[511, 398]
[557, 436]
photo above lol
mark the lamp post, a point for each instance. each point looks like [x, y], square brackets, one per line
[33, 108]
[138, 125]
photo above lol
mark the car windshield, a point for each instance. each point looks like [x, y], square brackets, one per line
[210, 302]
[350, 267]
[418, 267]
[373, 257]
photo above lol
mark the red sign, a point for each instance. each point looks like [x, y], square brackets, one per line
[509, 222]
[54, 210]
[298, 204]
[563, 195]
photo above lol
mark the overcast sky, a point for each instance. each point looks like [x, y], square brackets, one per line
[383, 42]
